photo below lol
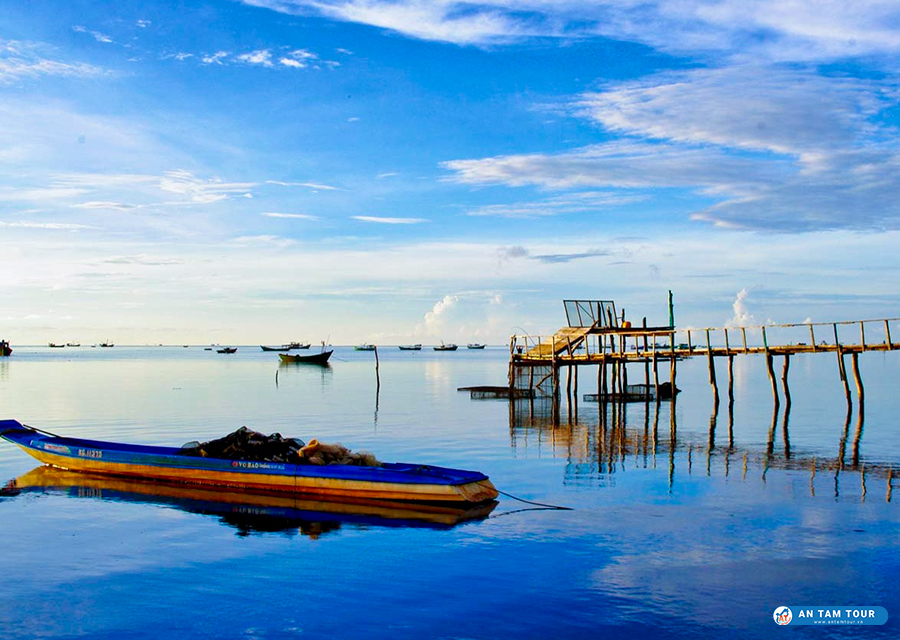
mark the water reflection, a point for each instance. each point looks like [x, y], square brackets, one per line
[599, 448]
[248, 512]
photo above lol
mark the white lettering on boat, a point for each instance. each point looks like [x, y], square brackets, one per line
[243, 464]
[90, 453]
[57, 448]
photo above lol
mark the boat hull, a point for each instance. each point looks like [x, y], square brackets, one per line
[315, 358]
[392, 481]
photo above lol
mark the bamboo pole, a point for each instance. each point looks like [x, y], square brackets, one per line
[744, 337]
[812, 337]
[862, 335]
[730, 380]
[377, 375]
[887, 335]
[842, 370]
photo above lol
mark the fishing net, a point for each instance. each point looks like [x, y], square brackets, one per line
[246, 444]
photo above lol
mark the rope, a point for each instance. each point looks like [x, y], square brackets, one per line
[538, 504]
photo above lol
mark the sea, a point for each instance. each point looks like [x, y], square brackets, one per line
[682, 519]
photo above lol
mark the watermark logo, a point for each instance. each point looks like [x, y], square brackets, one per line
[782, 615]
[853, 615]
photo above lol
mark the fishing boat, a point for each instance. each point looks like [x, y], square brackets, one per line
[226, 350]
[5, 349]
[248, 511]
[53, 345]
[474, 345]
[390, 481]
[284, 347]
[73, 344]
[107, 344]
[410, 347]
[312, 358]
[299, 345]
[365, 347]
[446, 347]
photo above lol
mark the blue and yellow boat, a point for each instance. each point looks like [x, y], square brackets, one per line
[390, 481]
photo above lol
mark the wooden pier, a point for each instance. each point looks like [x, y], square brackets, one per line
[597, 336]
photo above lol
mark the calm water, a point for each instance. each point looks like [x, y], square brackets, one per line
[673, 533]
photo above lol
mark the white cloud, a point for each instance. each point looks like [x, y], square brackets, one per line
[755, 29]
[310, 185]
[294, 216]
[261, 57]
[64, 226]
[771, 148]
[97, 204]
[385, 220]
[578, 202]
[201, 191]
[742, 316]
[143, 24]
[215, 58]
[290, 62]
[99, 37]
[20, 60]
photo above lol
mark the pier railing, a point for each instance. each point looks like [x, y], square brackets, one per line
[847, 336]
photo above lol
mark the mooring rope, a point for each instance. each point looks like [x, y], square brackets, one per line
[538, 504]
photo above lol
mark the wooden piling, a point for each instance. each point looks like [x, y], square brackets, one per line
[771, 372]
[887, 335]
[842, 371]
[730, 380]
[712, 371]
[784, 382]
[377, 374]
[860, 392]
[890, 487]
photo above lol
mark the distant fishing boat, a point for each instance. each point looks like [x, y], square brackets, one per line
[312, 358]
[226, 350]
[207, 348]
[284, 347]
[5, 349]
[389, 481]
[299, 345]
[410, 347]
[446, 347]
[73, 344]
[365, 347]
[474, 345]
[107, 344]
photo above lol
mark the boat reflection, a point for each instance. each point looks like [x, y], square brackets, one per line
[248, 512]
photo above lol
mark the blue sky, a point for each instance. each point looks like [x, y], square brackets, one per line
[388, 171]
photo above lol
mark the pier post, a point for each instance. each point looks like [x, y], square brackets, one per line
[887, 335]
[731, 380]
[771, 372]
[712, 371]
[842, 370]
[860, 392]
[784, 382]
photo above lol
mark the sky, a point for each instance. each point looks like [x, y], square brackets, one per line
[397, 171]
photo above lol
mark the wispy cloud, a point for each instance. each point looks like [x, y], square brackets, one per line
[293, 216]
[384, 220]
[756, 29]
[96, 204]
[99, 37]
[143, 24]
[773, 148]
[578, 202]
[142, 259]
[20, 60]
[56, 226]
[310, 185]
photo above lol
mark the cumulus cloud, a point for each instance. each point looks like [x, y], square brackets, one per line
[261, 57]
[742, 316]
[434, 321]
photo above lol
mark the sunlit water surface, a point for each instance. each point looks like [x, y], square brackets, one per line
[694, 527]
